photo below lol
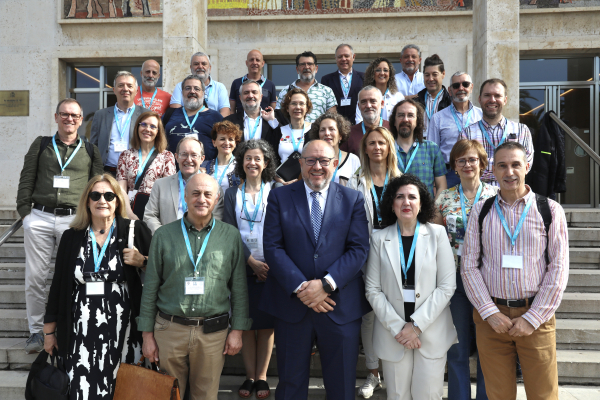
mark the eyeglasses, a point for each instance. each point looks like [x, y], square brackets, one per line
[259, 216]
[108, 196]
[464, 84]
[408, 116]
[193, 156]
[148, 126]
[311, 161]
[295, 104]
[189, 88]
[461, 162]
[65, 115]
[306, 64]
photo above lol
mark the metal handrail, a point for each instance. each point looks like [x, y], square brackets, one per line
[13, 228]
[576, 138]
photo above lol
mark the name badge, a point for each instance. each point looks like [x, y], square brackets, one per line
[131, 194]
[252, 241]
[120, 147]
[194, 135]
[408, 293]
[194, 285]
[94, 288]
[345, 102]
[509, 261]
[61, 182]
[459, 251]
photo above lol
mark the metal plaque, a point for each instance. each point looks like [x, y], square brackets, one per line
[14, 103]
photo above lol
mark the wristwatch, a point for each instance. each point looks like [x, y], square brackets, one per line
[326, 286]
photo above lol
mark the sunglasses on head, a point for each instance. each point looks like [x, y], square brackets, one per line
[464, 84]
[108, 196]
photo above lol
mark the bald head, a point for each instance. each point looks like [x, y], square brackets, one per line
[201, 179]
[150, 74]
[317, 176]
[201, 196]
[255, 63]
[320, 146]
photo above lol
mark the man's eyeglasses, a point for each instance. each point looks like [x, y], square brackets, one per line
[65, 115]
[108, 196]
[461, 162]
[306, 64]
[311, 161]
[148, 126]
[189, 88]
[193, 156]
[464, 84]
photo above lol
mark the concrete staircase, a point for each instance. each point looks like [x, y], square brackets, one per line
[577, 333]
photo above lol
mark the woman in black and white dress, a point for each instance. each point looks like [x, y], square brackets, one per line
[96, 291]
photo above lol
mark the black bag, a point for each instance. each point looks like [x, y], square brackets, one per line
[290, 169]
[47, 381]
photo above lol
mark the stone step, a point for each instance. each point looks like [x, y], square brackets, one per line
[584, 258]
[8, 214]
[15, 253]
[580, 281]
[577, 334]
[16, 237]
[584, 218]
[14, 274]
[584, 237]
[579, 306]
[13, 322]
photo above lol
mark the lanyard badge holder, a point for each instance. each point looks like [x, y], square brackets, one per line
[121, 145]
[61, 181]
[151, 100]
[465, 215]
[252, 240]
[194, 284]
[216, 172]
[191, 124]
[408, 291]
[513, 261]
[412, 157]
[363, 125]
[374, 193]
[96, 288]
[346, 90]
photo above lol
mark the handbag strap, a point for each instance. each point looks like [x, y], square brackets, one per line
[139, 182]
[139, 364]
[130, 244]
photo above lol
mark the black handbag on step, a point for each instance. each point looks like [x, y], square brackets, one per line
[47, 381]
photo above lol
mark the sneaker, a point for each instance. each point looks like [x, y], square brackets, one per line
[372, 384]
[35, 343]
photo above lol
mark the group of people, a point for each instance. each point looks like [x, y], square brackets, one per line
[371, 207]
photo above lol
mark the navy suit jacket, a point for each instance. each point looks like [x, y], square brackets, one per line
[333, 81]
[293, 256]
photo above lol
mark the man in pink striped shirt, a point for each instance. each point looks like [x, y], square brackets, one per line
[515, 291]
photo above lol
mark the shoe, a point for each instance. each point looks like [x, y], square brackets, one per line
[372, 384]
[35, 343]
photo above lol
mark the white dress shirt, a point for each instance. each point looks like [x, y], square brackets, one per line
[249, 126]
[113, 156]
[408, 87]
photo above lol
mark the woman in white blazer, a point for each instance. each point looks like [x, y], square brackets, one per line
[410, 280]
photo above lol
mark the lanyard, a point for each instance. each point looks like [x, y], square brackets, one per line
[121, 129]
[513, 237]
[375, 195]
[98, 257]
[182, 202]
[406, 266]
[245, 78]
[189, 248]
[412, 157]
[343, 81]
[487, 137]
[363, 124]
[295, 144]
[465, 215]
[252, 133]
[62, 168]
[141, 166]
[216, 172]
[208, 88]
[431, 111]
[151, 100]
[256, 208]
[195, 117]
[467, 119]
[338, 166]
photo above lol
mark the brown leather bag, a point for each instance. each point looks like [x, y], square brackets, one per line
[135, 382]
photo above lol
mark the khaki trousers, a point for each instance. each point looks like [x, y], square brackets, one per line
[184, 350]
[537, 355]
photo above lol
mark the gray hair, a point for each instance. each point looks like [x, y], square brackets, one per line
[369, 87]
[200, 54]
[188, 138]
[124, 73]
[67, 101]
[196, 77]
[460, 73]
[268, 174]
[247, 82]
[344, 45]
[411, 46]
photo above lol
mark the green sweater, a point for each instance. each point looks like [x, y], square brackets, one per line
[222, 265]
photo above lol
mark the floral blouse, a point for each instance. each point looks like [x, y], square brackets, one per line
[127, 169]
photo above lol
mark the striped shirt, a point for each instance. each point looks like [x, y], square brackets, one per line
[546, 282]
[515, 131]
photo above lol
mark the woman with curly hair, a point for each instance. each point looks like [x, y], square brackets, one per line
[381, 74]
[225, 137]
[334, 129]
[410, 281]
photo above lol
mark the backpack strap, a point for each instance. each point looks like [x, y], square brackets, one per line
[43, 144]
[89, 147]
[544, 209]
[484, 211]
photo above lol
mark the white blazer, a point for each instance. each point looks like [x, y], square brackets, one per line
[435, 283]
[358, 182]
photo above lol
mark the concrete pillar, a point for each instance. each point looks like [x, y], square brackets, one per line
[184, 33]
[496, 48]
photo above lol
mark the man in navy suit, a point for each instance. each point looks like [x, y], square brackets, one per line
[345, 82]
[315, 242]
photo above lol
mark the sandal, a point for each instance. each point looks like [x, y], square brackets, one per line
[261, 385]
[248, 385]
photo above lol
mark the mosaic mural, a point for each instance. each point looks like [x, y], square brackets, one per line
[112, 8]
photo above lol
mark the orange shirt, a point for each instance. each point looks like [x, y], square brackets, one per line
[160, 104]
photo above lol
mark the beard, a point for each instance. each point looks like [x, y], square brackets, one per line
[458, 100]
[201, 75]
[409, 69]
[251, 108]
[371, 117]
[150, 82]
[492, 114]
[405, 131]
[192, 103]
[307, 77]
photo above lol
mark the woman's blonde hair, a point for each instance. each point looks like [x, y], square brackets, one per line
[83, 218]
[391, 161]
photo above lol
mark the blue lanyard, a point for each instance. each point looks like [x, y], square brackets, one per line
[387, 176]
[465, 215]
[405, 265]
[363, 124]
[431, 111]
[182, 202]
[208, 88]
[338, 166]
[256, 208]
[98, 257]
[195, 117]
[412, 157]
[62, 168]
[262, 78]
[151, 100]
[467, 119]
[346, 89]
[121, 129]
[487, 137]
[189, 248]
[141, 166]
[295, 144]
[253, 132]
[216, 172]
[513, 236]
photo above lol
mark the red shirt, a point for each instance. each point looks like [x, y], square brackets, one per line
[160, 103]
[352, 145]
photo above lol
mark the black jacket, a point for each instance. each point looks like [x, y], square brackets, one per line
[60, 300]
[269, 134]
[333, 81]
[445, 101]
[548, 174]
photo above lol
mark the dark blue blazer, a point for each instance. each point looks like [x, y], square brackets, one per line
[293, 256]
[333, 81]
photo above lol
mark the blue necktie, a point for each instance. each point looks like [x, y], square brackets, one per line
[316, 214]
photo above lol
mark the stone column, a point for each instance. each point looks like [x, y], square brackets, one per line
[496, 48]
[184, 33]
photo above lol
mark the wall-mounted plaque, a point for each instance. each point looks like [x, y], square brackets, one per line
[14, 103]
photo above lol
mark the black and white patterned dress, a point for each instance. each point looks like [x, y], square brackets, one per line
[101, 325]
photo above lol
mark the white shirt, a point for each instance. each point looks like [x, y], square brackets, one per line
[389, 101]
[113, 156]
[286, 148]
[408, 87]
[249, 126]
[349, 167]
[244, 226]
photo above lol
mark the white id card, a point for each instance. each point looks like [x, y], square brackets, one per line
[131, 194]
[459, 251]
[120, 147]
[94, 288]
[509, 261]
[345, 102]
[408, 294]
[252, 241]
[194, 285]
[61, 182]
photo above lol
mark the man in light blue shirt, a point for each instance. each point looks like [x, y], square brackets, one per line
[410, 79]
[216, 96]
[445, 126]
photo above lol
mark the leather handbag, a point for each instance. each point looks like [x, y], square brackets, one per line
[47, 381]
[290, 169]
[135, 382]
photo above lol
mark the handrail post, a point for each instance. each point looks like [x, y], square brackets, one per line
[13, 228]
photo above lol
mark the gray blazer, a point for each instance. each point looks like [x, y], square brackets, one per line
[163, 204]
[102, 126]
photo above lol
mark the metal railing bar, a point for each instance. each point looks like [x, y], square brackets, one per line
[13, 228]
[593, 155]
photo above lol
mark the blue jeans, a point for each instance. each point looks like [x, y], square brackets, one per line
[459, 376]
[452, 178]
